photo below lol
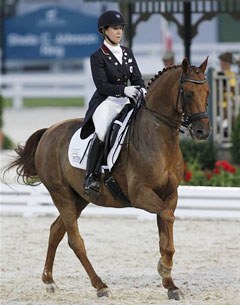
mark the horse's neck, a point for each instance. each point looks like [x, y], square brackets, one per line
[152, 135]
[156, 125]
[163, 94]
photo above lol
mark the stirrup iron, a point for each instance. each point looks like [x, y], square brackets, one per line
[92, 183]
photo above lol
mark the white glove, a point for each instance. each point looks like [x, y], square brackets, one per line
[132, 92]
[144, 91]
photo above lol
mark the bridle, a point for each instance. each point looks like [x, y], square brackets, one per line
[189, 119]
[186, 119]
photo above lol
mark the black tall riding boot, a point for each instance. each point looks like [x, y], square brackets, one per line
[92, 179]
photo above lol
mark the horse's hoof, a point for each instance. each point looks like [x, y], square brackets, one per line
[51, 288]
[104, 292]
[175, 294]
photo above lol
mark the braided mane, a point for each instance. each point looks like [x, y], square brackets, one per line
[156, 76]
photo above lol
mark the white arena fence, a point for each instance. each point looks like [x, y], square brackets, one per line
[80, 84]
[194, 202]
[65, 85]
[74, 85]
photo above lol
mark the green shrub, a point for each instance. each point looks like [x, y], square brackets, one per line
[8, 143]
[202, 152]
[235, 137]
[223, 174]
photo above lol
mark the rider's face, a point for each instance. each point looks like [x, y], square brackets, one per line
[114, 33]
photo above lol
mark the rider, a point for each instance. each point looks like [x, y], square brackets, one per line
[117, 79]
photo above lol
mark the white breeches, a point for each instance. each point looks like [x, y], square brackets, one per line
[106, 112]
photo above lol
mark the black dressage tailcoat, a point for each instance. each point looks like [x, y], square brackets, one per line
[110, 78]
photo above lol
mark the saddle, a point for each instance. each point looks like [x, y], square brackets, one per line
[78, 149]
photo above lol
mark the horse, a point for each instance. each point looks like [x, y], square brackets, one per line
[148, 170]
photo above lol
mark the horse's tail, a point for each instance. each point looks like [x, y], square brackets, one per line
[25, 162]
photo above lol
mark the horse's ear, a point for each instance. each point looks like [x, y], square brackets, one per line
[203, 66]
[185, 65]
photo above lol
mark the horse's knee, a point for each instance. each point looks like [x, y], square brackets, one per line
[166, 215]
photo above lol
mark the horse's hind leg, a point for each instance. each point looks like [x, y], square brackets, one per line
[165, 226]
[57, 232]
[67, 207]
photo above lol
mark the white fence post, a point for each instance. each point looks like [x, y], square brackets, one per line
[224, 115]
[17, 95]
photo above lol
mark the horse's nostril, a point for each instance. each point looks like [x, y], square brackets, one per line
[201, 134]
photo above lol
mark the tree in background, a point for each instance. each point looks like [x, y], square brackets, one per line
[7, 9]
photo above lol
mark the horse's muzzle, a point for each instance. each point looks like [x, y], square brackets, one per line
[200, 130]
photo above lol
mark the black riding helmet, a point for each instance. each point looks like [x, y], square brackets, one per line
[110, 18]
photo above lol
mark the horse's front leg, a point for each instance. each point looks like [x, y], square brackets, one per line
[165, 222]
[145, 198]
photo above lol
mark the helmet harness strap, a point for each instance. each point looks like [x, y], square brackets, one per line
[112, 42]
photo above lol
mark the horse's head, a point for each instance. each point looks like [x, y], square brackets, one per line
[192, 99]
[178, 96]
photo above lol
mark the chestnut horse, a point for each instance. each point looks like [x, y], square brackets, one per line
[148, 170]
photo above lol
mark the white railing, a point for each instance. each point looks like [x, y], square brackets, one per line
[194, 202]
[65, 85]
[225, 107]
[20, 86]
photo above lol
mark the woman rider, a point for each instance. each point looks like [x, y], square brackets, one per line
[117, 79]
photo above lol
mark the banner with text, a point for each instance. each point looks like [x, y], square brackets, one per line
[51, 33]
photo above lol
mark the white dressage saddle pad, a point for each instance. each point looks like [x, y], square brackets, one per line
[78, 148]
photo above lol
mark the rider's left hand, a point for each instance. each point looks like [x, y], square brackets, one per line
[144, 91]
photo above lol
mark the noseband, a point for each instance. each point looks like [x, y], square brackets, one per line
[187, 119]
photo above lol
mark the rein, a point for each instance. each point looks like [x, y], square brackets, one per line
[162, 118]
[187, 119]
